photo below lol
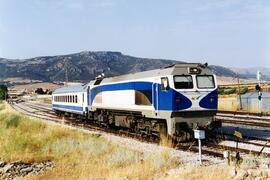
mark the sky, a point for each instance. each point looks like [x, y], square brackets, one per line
[232, 33]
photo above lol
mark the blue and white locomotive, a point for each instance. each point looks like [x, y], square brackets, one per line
[173, 100]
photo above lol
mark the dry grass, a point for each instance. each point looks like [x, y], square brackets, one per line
[28, 140]
[76, 155]
[202, 173]
[228, 103]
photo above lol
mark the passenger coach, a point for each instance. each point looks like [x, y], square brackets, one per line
[70, 99]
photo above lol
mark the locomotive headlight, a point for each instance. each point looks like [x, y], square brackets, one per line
[177, 100]
[212, 99]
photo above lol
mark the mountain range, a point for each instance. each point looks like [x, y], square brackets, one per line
[85, 66]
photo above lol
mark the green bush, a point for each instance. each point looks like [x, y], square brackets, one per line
[244, 90]
[220, 90]
[3, 92]
[13, 121]
[230, 91]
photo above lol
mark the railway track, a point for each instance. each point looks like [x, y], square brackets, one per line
[245, 119]
[46, 113]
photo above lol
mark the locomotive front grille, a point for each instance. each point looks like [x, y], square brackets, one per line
[193, 114]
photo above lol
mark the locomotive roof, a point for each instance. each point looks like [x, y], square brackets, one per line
[169, 70]
[69, 89]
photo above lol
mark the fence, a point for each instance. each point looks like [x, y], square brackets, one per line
[252, 104]
[249, 101]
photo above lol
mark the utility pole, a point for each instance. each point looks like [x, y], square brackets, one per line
[239, 94]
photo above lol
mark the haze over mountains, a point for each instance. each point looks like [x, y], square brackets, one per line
[87, 65]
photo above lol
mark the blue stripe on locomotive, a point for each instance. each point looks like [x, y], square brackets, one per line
[165, 101]
[206, 101]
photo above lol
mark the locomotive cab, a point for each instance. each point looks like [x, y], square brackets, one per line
[194, 99]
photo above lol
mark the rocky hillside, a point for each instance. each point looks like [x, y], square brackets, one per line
[83, 66]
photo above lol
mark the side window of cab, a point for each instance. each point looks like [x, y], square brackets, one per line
[165, 84]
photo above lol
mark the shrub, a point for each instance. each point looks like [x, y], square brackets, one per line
[13, 121]
[220, 90]
[40, 91]
[230, 91]
[3, 92]
[244, 90]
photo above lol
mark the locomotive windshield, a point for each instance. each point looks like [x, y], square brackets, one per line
[205, 81]
[183, 82]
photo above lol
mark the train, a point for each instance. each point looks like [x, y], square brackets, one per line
[171, 101]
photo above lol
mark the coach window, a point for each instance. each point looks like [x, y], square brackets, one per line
[183, 82]
[164, 84]
[73, 99]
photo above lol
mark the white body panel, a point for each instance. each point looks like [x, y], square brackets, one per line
[123, 98]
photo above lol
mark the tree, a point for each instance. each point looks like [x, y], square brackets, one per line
[39, 91]
[3, 92]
